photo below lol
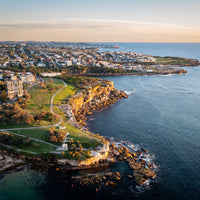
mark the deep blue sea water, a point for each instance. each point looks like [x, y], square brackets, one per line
[162, 115]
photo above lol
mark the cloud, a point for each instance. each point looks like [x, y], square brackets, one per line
[50, 25]
[127, 22]
[93, 23]
[93, 29]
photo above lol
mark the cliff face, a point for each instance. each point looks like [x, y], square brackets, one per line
[93, 99]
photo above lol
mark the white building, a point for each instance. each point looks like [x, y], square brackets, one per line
[40, 64]
[27, 78]
[52, 74]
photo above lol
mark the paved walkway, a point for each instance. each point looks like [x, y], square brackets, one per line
[51, 103]
[8, 146]
[51, 110]
[35, 139]
[21, 150]
[27, 128]
[32, 86]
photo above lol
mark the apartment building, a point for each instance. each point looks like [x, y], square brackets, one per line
[14, 88]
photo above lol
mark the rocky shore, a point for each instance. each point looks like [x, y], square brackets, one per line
[8, 161]
[82, 104]
[87, 102]
[94, 99]
[141, 168]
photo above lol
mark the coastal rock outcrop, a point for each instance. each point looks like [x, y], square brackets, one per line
[7, 161]
[94, 99]
[142, 170]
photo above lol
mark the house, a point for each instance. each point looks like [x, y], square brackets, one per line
[68, 63]
[27, 78]
[41, 64]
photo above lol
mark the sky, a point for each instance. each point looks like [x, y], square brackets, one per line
[100, 20]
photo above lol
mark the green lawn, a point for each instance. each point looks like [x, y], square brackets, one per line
[171, 60]
[40, 100]
[41, 97]
[61, 98]
[39, 148]
[87, 139]
[66, 93]
[40, 133]
[35, 146]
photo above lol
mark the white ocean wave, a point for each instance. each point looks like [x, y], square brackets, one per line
[129, 93]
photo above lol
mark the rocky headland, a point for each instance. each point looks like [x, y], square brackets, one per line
[101, 176]
[87, 101]
[93, 99]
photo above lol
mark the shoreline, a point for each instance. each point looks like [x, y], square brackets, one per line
[142, 171]
[105, 155]
[182, 71]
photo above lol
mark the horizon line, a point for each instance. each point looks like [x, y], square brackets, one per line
[92, 41]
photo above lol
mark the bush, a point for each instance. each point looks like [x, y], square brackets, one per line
[56, 135]
[15, 141]
[47, 116]
[12, 114]
[22, 101]
[80, 82]
[29, 119]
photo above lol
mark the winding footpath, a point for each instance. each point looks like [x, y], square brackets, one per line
[38, 140]
[35, 139]
[51, 110]
[51, 104]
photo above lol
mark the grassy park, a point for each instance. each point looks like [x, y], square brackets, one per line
[40, 98]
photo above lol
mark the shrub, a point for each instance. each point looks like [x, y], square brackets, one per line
[12, 114]
[56, 135]
[47, 116]
[29, 119]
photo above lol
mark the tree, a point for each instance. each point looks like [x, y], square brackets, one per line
[56, 135]
[50, 80]
[53, 138]
[73, 147]
[52, 130]
[51, 89]
[4, 96]
[41, 106]
[80, 148]
[22, 101]
[11, 114]
[2, 85]
[61, 135]
[29, 119]
[42, 85]
[27, 95]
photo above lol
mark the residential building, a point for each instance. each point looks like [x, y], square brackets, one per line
[14, 88]
[27, 78]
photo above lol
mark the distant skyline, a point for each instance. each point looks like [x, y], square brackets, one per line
[100, 21]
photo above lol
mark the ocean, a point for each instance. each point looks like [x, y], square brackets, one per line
[162, 114]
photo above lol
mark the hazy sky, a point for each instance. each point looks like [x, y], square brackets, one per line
[100, 20]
